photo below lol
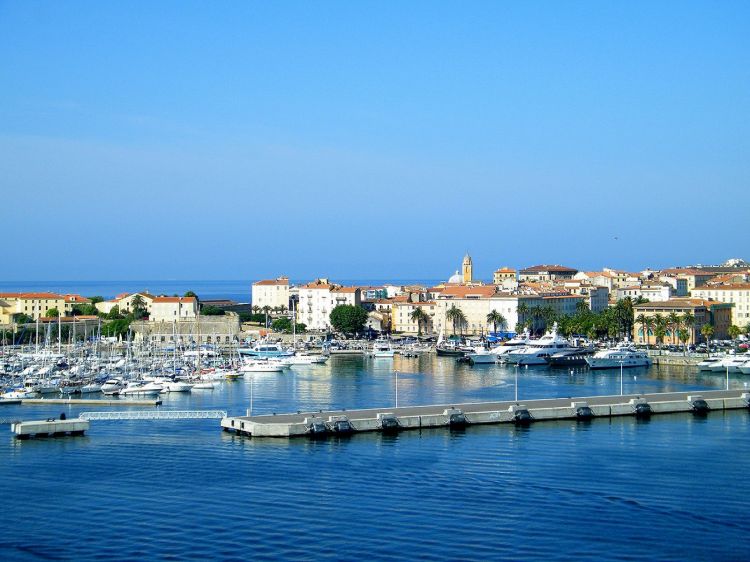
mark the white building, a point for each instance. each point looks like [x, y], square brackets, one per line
[319, 298]
[124, 303]
[271, 292]
[737, 293]
[165, 309]
[656, 292]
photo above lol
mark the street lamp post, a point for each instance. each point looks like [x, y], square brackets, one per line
[621, 378]
[396, 373]
[727, 377]
[516, 382]
[252, 380]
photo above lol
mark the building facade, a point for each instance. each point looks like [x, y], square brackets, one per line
[737, 294]
[273, 293]
[714, 313]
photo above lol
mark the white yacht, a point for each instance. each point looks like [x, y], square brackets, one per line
[302, 359]
[537, 351]
[262, 349]
[142, 389]
[733, 363]
[498, 352]
[261, 367]
[622, 355]
[112, 386]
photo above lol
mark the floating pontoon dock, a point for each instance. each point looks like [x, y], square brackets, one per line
[387, 419]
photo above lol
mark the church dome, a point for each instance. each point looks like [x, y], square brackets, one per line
[456, 278]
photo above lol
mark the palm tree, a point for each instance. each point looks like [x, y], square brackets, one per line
[734, 331]
[495, 318]
[256, 309]
[707, 331]
[266, 310]
[418, 315]
[522, 311]
[660, 328]
[643, 320]
[455, 315]
[688, 323]
[673, 321]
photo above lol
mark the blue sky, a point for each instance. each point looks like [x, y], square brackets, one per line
[200, 140]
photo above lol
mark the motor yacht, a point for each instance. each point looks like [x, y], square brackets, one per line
[112, 387]
[261, 367]
[732, 363]
[265, 350]
[538, 351]
[495, 354]
[150, 388]
[623, 355]
[382, 349]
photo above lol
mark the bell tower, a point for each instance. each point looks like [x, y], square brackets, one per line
[467, 269]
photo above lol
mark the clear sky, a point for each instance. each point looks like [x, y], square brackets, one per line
[230, 140]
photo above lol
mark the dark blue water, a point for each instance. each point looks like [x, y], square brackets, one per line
[668, 489]
[237, 290]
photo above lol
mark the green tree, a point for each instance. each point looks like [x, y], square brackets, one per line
[456, 316]
[85, 309]
[212, 311]
[114, 313]
[522, 310]
[734, 331]
[116, 328]
[496, 319]
[95, 299]
[53, 313]
[138, 305]
[660, 328]
[190, 294]
[684, 335]
[707, 331]
[419, 316]
[673, 322]
[21, 318]
[644, 321]
[348, 318]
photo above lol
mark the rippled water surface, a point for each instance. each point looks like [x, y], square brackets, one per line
[668, 489]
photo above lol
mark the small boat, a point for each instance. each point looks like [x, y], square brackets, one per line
[203, 385]
[175, 386]
[382, 349]
[91, 388]
[18, 393]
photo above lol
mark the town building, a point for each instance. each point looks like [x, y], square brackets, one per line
[652, 292]
[715, 313]
[125, 302]
[166, 309]
[737, 294]
[503, 275]
[538, 273]
[318, 298]
[34, 305]
[694, 277]
[402, 321]
[273, 293]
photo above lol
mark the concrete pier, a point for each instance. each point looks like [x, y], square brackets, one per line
[88, 402]
[417, 417]
[4, 402]
[49, 428]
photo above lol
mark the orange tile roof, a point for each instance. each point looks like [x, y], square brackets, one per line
[551, 268]
[279, 281]
[345, 289]
[48, 296]
[727, 287]
[463, 291]
[173, 299]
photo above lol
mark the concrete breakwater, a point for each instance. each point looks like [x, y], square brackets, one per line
[418, 417]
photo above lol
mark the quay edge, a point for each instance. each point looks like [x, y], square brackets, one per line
[482, 413]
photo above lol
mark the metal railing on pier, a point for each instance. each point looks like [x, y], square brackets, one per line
[154, 415]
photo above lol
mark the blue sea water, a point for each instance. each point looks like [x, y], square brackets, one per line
[667, 489]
